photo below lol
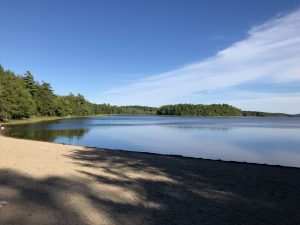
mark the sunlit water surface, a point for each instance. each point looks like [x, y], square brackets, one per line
[247, 139]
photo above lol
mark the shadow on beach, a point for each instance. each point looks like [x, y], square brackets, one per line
[140, 188]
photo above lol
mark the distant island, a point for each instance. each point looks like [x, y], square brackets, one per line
[210, 110]
[23, 97]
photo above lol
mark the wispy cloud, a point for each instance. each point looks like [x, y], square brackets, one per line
[270, 54]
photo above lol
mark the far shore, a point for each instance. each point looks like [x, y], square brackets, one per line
[47, 183]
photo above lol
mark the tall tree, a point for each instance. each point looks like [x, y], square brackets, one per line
[16, 102]
[30, 83]
[45, 99]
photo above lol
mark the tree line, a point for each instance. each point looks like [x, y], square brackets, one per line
[199, 110]
[213, 110]
[21, 96]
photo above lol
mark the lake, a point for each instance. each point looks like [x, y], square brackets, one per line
[269, 140]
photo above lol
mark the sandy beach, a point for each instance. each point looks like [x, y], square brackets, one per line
[44, 183]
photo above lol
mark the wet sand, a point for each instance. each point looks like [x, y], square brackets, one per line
[44, 183]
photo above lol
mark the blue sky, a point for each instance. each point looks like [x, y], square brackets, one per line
[244, 53]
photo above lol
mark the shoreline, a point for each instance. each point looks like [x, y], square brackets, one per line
[158, 154]
[42, 119]
[48, 183]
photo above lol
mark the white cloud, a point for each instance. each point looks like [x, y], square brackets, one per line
[271, 52]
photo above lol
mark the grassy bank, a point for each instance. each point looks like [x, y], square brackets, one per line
[47, 118]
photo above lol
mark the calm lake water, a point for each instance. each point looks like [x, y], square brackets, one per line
[247, 139]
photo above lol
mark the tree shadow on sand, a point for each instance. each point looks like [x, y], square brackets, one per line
[116, 187]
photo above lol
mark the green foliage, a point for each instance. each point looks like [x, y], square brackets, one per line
[63, 106]
[199, 110]
[15, 100]
[22, 97]
[77, 105]
[108, 109]
[45, 100]
[30, 83]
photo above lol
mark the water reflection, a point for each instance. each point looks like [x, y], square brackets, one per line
[190, 128]
[259, 140]
[51, 135]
